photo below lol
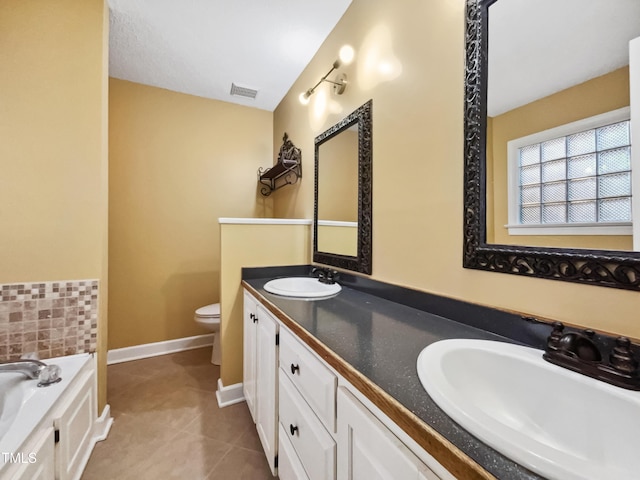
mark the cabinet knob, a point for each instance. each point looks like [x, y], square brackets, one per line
[294, 369]
[293, 429]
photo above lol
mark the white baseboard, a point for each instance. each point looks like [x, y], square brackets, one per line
[229, 395]
[103, 425]
[146, 350]
[101, 428]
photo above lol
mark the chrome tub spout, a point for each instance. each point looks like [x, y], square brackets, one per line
[28, 367]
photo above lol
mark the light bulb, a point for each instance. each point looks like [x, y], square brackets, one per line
[304, 97]
[346, 54]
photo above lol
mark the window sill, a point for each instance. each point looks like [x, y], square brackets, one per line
[622, 228]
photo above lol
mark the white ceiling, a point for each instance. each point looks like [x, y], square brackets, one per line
[541, 47]
[200, 47]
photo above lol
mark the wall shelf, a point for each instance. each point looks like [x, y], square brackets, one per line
[286, 171]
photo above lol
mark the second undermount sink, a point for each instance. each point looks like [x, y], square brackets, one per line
[557, 423]
[301, 287]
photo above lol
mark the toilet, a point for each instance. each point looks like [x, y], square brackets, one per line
[209, 318]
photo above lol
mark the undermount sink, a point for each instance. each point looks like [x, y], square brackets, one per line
[557, 423]
[301, 287]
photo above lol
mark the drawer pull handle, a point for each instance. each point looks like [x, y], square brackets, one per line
[293, 429]
[294, 369]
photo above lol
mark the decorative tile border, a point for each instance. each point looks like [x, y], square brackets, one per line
[52, 319]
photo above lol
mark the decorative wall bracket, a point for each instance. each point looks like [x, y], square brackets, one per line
[286, 171]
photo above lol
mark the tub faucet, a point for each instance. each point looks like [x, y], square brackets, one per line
[33, 369]
[30, 368]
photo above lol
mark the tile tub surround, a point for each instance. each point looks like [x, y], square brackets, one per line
[52, 319]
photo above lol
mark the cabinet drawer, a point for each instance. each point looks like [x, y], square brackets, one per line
[289, 466]
[316, 449]
[312, 378]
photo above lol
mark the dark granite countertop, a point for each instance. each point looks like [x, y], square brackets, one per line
[382, 338]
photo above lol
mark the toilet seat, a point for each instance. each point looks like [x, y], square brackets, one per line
[209, 311]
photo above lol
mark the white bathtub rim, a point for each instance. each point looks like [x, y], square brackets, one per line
[39, 403]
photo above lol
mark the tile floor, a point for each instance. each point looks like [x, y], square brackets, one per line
[168, 425]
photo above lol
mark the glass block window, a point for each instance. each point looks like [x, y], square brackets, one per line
[583, 177]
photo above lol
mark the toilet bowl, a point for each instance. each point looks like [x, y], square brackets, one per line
[209, 318]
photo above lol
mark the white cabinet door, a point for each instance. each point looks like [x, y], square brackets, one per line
[266, 384]
[74, 421]
[367, 450]
[36, 459]
[249, 353]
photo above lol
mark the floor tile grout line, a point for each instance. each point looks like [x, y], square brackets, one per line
[219, 461]
[189, 378]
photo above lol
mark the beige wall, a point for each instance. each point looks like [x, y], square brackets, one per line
[600, 95]
[342, 240]
[251, 245]
[53, 185]
[177, 163]
[418, 162]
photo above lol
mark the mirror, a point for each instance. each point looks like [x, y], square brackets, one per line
[510, 98]
[568, 85]
[337, 193]
[342, 207]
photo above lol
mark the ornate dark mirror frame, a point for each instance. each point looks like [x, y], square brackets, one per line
[608, 268]
[362, 262]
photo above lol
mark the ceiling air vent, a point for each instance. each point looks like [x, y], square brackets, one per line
[243, 91]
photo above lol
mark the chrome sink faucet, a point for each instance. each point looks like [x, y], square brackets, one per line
[33, 369]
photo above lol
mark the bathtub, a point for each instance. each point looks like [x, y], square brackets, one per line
[25, 407]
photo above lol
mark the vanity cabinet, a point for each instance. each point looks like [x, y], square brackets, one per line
[311, 377]
[250, 318]
[313, 445]
[307, 407]
[266, 384]
[260, 374]
[289, 465]
[326, 429]
[369, 450]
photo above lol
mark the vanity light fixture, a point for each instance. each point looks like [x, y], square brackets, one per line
[345, 57]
